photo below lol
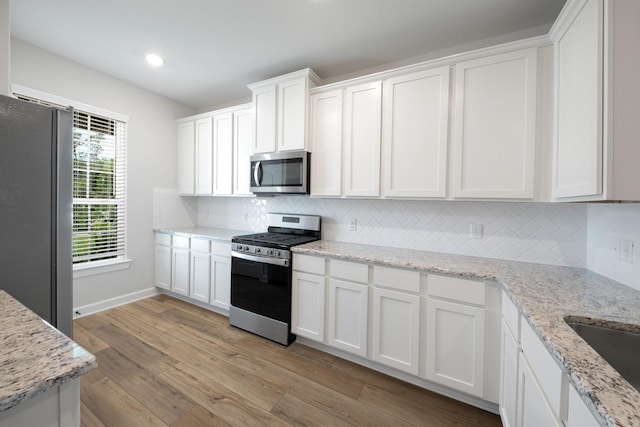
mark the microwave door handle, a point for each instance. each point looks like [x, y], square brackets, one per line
[257, 173]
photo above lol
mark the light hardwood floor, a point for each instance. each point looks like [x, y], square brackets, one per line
[163, 362]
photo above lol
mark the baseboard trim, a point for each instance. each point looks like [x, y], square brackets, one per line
[99, 306]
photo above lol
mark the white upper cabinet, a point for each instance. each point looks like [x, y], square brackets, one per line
[223, 154]
[596, 135]
[362, 118]
[186, 158]
[242, 140]
[494, 126]
[415, 134]
[326, 143]
[281, 111]
[204, 156]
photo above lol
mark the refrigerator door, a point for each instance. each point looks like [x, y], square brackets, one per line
[33, 268]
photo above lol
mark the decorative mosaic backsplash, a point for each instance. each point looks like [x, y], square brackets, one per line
[532, 232]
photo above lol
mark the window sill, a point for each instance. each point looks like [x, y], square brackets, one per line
[96, 269]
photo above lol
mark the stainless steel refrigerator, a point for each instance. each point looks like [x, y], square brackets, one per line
[36, 168]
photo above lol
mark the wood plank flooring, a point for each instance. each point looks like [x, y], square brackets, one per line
[163, 362]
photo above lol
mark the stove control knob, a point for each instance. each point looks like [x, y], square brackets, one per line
[276, 253]
[257, 250]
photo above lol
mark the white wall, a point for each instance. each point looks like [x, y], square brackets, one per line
[607, 224]
[532, 232]
[150, 155]
[5, 36]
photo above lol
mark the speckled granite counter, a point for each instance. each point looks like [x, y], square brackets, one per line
[545, 295]
[34, 356]
[204, 232]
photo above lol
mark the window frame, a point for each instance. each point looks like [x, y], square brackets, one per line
[120, 262]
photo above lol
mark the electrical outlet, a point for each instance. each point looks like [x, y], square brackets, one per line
[353, 224]
[475, 231]
[626, 250]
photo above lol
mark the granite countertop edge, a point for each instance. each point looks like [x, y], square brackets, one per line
[211, 233]
[35, 356]
[545, 295]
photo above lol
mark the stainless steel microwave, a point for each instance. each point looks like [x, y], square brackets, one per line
[280, 173]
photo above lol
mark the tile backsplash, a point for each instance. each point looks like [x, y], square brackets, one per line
[532, 232]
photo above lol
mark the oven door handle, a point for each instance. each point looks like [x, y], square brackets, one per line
[261, 259]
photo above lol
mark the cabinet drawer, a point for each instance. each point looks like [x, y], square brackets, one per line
[394, 278]
[221, 248]
[456, 289]
[309, 264]
[181, 242]
[543, 367]
[349, 271]
[200, 245]
[163, 239]
[511, 316]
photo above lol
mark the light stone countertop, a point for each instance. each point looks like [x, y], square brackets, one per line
[34, 356]
[222, 234]
[545, 295]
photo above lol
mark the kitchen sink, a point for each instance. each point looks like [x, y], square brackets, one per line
[618, 347]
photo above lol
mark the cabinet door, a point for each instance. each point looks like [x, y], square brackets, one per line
[396, 321]
[578, 413]
[494, 126]
[326, 143]
[292, 114]
[578, 133]
[455, 346]
[510, 350]
[363, 110]
[204, 159]
[163, 266]
[223, 154]
[186, 158]
[242, 137]
[220, 281]
[348, 303]
[307, 308]
[264, 103]
[533, 409]
[414, 142]
[200, 277]
[180, 271]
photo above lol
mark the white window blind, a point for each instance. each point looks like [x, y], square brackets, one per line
[98, 186]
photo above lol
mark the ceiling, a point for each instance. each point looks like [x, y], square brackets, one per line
[214, 48]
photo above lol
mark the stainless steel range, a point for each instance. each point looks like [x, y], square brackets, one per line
[261, 275]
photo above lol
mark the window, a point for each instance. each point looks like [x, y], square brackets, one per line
[98, 183]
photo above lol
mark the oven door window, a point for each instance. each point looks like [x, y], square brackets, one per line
[260, 288]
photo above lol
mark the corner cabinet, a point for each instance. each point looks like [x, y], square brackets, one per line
[596, 136]
[415, 134]
[281, 111]
[494, 126]
[186, 157]
[163, 261]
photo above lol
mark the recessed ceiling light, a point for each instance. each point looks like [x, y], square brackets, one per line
[154, 59]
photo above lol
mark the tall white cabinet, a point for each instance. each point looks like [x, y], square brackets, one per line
[596, 134]
[326, 143]
[186, 157]
[415, 134]
[494, 126]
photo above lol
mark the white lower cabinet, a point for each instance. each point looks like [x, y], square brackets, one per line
[455, 333]
[197, 268]
[533, 408]
[200, 274]
[163, 261]
[308, 296]
[348, 306]
[510, 359]
[220, 281]
[180, 265]
[396, 326]
[578, 413]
